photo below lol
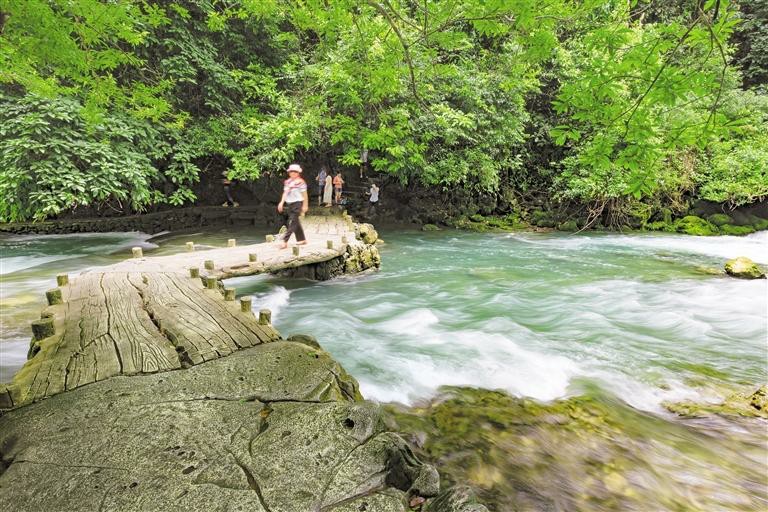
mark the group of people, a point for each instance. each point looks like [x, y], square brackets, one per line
[295, 199]
[327, 185]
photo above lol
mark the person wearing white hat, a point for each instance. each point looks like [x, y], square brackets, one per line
[295, 201]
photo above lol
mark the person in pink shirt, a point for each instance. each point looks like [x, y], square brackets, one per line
[295, 201]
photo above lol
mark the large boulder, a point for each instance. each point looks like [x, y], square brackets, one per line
[367, 233]
[744, 268]
[279, 427]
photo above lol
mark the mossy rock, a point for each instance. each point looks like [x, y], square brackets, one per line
[744, 268]
[660, 226]
[477, 218]
[720, 219]
[761, 224]
[693, 225]
[519, 454]
[730, 229]
[752, 405]
[367, 233]
[430, 227]
[742, 218]
[469, 225]
[569, 225]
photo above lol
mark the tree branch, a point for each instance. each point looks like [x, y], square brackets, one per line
[384, 12]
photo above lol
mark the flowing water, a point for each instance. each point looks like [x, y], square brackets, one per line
[639, 318]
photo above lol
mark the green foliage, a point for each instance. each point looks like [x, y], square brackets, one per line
[736, 171]
[52, 160]
[751, 41]
[79, 46]
[627, 107]
[633, 95]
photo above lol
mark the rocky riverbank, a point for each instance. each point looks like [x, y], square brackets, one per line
[240, 417]
[278, 427]
[592, 452]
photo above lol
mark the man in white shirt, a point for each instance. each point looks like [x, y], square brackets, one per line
[373, 200]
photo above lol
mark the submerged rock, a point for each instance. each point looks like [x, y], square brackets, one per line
[752, 405]
[456, 499]
[744, 268]
[581, 453]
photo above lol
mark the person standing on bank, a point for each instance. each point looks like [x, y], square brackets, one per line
[373, 200]
[338, 185]
[328, 192]
[295, 201]
[227, 184]
[321, 184]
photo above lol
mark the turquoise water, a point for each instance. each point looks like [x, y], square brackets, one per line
[537, 314]
[633, 320]
[533, 314]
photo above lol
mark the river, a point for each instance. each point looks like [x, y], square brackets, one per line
[638, 317]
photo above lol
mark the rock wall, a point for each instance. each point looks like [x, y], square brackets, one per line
[170, 220]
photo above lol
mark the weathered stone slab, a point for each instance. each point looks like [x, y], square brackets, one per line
[272, 428]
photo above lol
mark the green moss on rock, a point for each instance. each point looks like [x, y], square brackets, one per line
[753, 405]
[730, 229]
[744, 268]
[581, 453]
[719, 219]
[491, 224]
[693, 225]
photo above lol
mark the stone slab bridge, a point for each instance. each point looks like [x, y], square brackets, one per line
[152, 314]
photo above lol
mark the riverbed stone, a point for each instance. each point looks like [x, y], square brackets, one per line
[270, 428]
[456, 499]
[750, 405]
[744, 268]
[580, 453]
